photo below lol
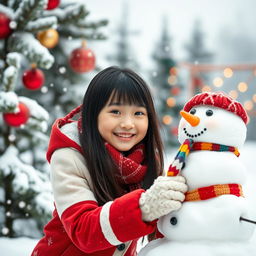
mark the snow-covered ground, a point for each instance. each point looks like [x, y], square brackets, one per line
[23, 246]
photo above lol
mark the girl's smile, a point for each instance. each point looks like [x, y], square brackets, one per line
[124, 136]
[122, 125]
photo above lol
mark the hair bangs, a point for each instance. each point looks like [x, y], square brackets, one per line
[128, 92]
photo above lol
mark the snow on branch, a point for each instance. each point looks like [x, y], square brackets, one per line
[11, 3]
[28, 10]
[92, 25]
[13, 59]
[26, 176]
[26, 44]
[73, 32]
[38, 115]
[41, 24]
[9, 78]
[8, 11]
[69, 14]
[8, 102]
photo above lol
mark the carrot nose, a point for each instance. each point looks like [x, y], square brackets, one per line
[193, 120]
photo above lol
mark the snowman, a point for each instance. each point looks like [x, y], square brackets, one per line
[214, 218]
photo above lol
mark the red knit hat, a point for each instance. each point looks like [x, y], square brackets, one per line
[220, 100]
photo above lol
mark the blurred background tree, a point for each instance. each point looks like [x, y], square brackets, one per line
[167, 86]
[124, 55]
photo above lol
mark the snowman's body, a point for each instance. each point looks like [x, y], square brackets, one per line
[209, 227]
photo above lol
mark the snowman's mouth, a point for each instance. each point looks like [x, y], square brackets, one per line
[194, 135]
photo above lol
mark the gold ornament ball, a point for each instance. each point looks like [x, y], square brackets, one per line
[48, 38]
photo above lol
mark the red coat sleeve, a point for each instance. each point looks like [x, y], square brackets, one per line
[93, 228]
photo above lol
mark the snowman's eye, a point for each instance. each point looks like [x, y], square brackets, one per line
[209, 112]
[192, 111]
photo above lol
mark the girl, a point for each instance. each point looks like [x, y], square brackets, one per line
[102, 170]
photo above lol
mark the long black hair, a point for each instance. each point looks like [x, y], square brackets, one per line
[127, 87]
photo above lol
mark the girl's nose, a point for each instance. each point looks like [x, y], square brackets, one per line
[127, 123]
[192, 119]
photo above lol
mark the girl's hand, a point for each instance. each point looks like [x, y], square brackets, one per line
[163, 197]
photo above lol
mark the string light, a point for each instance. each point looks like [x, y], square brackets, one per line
[254, 97]
[228, 72]
[167, 119]
[218, 82]
[248, 105]
[233, 94]
[242, 87]
[171, 102]
[172, 80]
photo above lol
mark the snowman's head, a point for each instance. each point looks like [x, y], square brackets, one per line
[213, 118]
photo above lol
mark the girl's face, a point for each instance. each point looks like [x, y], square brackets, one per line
[122, 125]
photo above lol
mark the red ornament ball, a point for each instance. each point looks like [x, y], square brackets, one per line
[52, 4]
[82, 60]
[19, 118]
[33, 79]
[5, 29]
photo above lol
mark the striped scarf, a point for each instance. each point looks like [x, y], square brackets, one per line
[131, 170]
[205, 192]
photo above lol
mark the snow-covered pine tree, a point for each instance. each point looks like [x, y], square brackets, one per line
[197, 53]
[28, 32]
[167, 86]
[123, 55]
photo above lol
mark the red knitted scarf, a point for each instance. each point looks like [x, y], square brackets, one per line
[131, 169]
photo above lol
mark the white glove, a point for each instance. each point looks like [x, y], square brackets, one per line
[164, 196]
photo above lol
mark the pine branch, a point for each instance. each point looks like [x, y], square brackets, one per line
[8, 11]
[28, 10]
[9, 78]
[28, 46]
[8, 102]
[13, 59]
[13, 4]
[70, 14]
[41, 24]
[93, 25]
[76, 33]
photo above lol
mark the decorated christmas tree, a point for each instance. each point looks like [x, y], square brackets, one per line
[167, 87]
[34, 68]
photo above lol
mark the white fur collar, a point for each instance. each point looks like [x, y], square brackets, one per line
[71, 131]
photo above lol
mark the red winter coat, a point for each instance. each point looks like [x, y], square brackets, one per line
[79, 226]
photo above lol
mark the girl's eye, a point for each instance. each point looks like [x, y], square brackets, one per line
[209, 112]
[139, 113]
[192, 111]
[116, 112]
